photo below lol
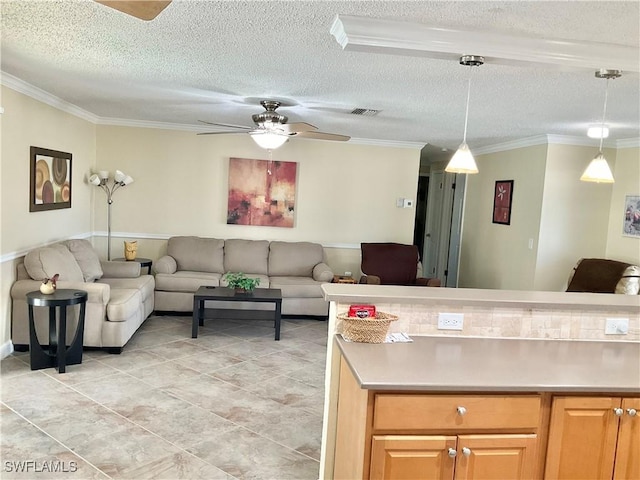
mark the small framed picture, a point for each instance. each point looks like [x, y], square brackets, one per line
[632, 216]
[502, 198]
[50, 180]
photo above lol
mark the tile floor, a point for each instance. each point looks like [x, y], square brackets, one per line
[231, 404]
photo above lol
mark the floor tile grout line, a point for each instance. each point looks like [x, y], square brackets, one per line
[55, 439]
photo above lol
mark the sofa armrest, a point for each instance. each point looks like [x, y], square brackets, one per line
[370, 279]
[97, 292]
[166, 264]
[322, 273]
[120, 269]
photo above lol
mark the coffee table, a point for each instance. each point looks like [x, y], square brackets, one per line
[224, 294]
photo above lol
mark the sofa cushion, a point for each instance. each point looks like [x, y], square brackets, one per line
[297, 287]
[246, 256]
[87, 259]
[197, 254]
[596, 275]
[144, 283]
[186, 281]
[629, 284]
[45, 262]
[294, 258]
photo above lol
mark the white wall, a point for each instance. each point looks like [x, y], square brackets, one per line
[25, 123]
[627, 182]
[495, 255]
[574, 220]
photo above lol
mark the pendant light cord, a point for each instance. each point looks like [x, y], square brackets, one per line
[604, 113]
[466, 113]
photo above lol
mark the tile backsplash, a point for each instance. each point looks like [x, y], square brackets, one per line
[500, 322]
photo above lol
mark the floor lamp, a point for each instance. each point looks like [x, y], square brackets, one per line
[109, 185]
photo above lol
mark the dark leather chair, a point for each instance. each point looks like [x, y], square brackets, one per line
[599, 275]
[392, 264]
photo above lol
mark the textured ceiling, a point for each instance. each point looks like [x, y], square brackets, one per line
[214, 61]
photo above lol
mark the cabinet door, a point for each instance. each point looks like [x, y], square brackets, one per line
[627, 464]
[496, 457]
[412, 457]
[582, 438]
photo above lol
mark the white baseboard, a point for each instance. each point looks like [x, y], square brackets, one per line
[6, 349]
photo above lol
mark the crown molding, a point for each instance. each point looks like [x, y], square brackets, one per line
[552, 140]
[125, 122]
[366, 34]
[628, 143]
[387, 143]
[36, 93]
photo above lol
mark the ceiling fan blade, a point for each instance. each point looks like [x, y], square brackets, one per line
[142, 9]
[323, 136]
[218, 133]
[296, 127]
[228, 125]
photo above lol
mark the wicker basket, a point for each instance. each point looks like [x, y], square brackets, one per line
[366, 330]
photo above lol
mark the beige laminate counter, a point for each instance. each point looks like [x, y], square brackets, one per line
[495, 365]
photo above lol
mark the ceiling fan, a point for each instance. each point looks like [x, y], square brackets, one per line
[142, 9]
[272, 130]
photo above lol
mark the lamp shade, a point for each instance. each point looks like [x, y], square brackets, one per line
[119, 176]
[94, 179]
[269, 140]
[598, 171]
[103, 174]
[462, 161]
[127, 180]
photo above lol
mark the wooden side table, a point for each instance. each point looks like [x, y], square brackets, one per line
[343, 279]
[58, 353]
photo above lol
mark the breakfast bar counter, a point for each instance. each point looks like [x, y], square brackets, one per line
[496, 365]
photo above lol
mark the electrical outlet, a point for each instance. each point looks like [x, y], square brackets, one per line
[450, 321]
[616, 326]
[347, 274]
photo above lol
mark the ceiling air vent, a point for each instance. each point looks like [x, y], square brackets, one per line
[367, 112]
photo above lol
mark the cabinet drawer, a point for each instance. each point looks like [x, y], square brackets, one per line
[428, 412]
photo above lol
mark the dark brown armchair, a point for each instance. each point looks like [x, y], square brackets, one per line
[392, 264]
[599, 275]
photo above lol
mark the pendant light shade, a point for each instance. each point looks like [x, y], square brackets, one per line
[598, 170]
[463, 161]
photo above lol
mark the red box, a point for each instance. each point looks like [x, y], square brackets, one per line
[362, 311]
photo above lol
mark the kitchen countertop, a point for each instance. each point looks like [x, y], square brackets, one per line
[433, 363]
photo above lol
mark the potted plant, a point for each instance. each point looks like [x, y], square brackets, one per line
[240, 282]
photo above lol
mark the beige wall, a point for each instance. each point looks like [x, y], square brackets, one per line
[497, 256]
[25, 123]
[627, 176]
[574, 220]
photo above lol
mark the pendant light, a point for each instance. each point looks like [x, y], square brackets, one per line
[598, 170]
[463, 161]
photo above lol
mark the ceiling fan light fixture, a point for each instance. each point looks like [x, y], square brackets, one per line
[463, 161]
[598, 171]
[269, 140]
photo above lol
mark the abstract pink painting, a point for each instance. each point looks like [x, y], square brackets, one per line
[261, 192]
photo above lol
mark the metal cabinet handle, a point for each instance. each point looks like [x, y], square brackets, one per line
[632, 412]
[618, 412]
[461, 411]
[466, 451]
[452, 453]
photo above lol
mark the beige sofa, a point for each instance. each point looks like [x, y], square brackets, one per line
[296, 268]
[119, 300]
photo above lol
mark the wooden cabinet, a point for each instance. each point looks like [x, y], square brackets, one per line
[463, 457]
[594, 438]
[413, 435]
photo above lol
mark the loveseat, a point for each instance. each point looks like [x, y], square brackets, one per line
[120, 298]
[298, 269]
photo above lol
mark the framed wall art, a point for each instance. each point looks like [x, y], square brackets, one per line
[261, 192]
[502, 198]
[631, 225]
[49, 180]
